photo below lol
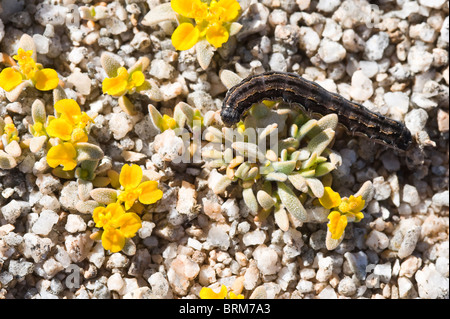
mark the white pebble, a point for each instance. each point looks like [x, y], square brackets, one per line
[331, 51]
[75, 223]
[361, 88]
[45, 222]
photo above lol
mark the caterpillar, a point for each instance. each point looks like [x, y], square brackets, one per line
[310, 96]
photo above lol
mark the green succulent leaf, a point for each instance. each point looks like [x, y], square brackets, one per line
[250, 199]
[104, 195]
[291, 202]
[319, 142]
[88, 152]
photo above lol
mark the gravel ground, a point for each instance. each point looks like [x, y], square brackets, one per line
[391, 56]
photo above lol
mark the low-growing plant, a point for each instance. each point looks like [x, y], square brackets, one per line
[207, 25]
[26, 72]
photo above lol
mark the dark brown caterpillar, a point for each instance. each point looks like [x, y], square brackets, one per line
[314, 99]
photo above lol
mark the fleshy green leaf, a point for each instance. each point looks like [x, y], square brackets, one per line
[291, 202]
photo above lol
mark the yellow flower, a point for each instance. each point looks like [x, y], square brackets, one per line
[346, 210]
[337, 224]
[117, 224]
[130, 179]
[71, 123]
[352, 205]
[211, 22]
[23, 56]
[71, 112]
[60, 128]
[46, 79]
[62, 154]
[9, 79]
[167, 122]
[208, 293]
[42, 79]
[123, 82]
[330, 198]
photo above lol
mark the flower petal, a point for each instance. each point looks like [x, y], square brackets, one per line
[185, 36]
[129, 223]
[60, 128]
[330, 198]
[130, 176]
[62, 154]
[137, 79]
[9, 79]
[190, 8]
[208, 293]
[226, 10]
[217, 35]
[150, 193]
[337, 224]
[113, 240]
[46, 79]
[69, 110]
[116, 86]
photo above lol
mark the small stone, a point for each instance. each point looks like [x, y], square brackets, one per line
[328, 5]
[277, 62]
[256, 237]
[278, 17]
[52, 267]
[254, 20]
[331, 51]
[377, 241]
[441, 199]
[146, 230]
[382, 188]
[435, 4]
[75, 223]
[361, 88]
[160, 286]
[416, 120]
[78, 246]
[42, 43]
[160, 69]
[410, 195]
[406, 288]
[431, 284]
[443, 121]
[36, 247]
[14, 209]
[398, 104]
[327, 293]
[115, 282]
[266, 259]
[50, 14]
[410, 239]
[358, 263]
[325, 269]
[251, 276]
[409, 266]
[47, 183]
[20, 268]
[120, 125]
[376, 45]
[69, 195]
[115, 26]
[305, 286]
[181, 271]
[332, 30]
[45, 222]
[419, 59]
[80, 81]
[347, 287]
[217, 237]
[309, 40]
[423, 31]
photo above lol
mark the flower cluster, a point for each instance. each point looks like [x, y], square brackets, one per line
[117, 225]
[211, 22]
[343, 211]
[209, 293]
[66, 134]
[43, 79]
[119, 219]
[124, 82]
